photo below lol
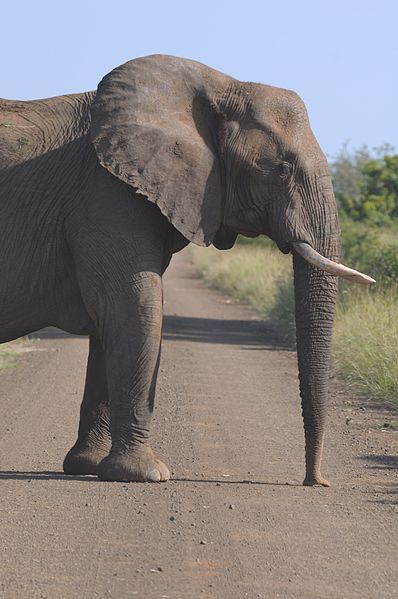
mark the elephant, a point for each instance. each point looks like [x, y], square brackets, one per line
[99, 189]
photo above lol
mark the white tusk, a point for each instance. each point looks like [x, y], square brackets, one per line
[333, 268]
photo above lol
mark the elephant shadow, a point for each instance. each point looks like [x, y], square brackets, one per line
[49, 475]
[248, 334]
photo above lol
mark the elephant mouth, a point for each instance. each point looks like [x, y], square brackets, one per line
[285, 248]
[334, 268]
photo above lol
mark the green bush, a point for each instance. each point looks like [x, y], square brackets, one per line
[372, 250]
[366, 185]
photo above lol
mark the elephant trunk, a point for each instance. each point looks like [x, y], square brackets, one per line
[315, 299]
[316, 268]
[315, 295]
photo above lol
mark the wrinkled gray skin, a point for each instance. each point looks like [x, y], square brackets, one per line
[84, 250]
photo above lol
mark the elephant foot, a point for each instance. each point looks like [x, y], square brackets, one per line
[139, 465]
[315, 479]
[83, 461]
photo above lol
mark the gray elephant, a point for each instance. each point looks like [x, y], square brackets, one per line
[98, 190]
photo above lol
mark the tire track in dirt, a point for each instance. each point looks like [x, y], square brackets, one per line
[234, 521]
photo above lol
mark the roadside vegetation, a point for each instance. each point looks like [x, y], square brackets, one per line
[365, 352]
[9, 352]
[258, 275]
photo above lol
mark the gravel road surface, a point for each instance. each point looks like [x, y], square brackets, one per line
[234, 521]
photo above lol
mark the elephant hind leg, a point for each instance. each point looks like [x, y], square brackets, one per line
[93, 442]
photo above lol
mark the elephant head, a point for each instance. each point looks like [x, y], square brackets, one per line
[221, 157]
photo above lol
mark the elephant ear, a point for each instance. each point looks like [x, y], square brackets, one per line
[154, 127]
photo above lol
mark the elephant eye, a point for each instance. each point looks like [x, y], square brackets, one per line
[284, 169]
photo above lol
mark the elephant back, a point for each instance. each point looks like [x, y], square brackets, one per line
[29, 129]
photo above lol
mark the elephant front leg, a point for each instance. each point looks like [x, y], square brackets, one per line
[94, 441]
[131, 340]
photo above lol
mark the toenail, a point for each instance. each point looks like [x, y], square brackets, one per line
[154, 476]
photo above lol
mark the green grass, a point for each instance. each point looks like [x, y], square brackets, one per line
[365, 350]
[366, 343]
[8, 356]
[9, 352]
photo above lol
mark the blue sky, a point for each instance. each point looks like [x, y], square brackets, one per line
[341, 56]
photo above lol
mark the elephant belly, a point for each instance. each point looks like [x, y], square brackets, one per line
[60, 304]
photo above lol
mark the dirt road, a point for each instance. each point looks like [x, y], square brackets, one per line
[234, 521]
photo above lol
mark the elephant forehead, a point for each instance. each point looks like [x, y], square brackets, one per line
[279, 107]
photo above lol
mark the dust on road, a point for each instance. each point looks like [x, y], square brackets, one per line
[234, 521]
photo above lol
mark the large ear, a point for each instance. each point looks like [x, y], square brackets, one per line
[154, 127]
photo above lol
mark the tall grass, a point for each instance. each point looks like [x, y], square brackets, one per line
[366, 342]
[365, 350]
